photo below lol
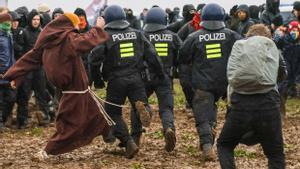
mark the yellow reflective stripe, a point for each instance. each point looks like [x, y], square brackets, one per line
[162, 54]
[213, 56]
[161, 49]
[125, 55]
[126, 45]
[212, 46]
[127, 50]
[213, 51]
[161, 45]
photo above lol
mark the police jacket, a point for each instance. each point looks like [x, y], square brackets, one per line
[208, 52]
[125, 52]
[167, 45]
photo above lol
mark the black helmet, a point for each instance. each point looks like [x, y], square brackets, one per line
[213, 16]
[115, 17]
[156, 19]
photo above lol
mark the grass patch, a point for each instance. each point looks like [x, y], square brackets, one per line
[244, 153]
[156, 135]
[191, 150]
[137, 166]
[36, 132]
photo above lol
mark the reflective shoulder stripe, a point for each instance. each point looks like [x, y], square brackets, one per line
[212, 46]
[126, 50]
[213, 56]
[125, 55]
[126, 45]
[161, 45]
[162, 49]
[213, 51]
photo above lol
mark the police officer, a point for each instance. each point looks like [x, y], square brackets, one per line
[208, 51]
[167, 45]
[122, 57]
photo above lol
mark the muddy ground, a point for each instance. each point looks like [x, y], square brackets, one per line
[18, 146]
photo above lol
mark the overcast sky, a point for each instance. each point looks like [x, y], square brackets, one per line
[136, 5]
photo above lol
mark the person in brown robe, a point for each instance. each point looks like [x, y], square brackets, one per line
[58, 49]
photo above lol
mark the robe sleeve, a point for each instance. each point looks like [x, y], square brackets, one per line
[85, 42]
[32, 60]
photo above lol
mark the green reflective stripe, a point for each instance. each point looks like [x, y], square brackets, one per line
[212, 46]
[125, 55]
[162, 54]
[161, 45]
[126, 45]
[161, 49]
[213, 56]
[213, 51]
[127, 50]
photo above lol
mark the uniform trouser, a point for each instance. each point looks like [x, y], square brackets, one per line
[118, 90]
[7, 101]
[165, 98]
[267, 128]
[205, 114]
[186, 83]
[35, 81]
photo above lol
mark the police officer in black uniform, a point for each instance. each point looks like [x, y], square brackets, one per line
[167, 45]
[122, 57]
[208, 51]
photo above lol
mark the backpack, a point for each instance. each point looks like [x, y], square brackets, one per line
[253, 66]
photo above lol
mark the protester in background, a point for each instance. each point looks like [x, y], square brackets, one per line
[245, 20]
[295, 15]
[44, 10]
[254, 13]
[57, 12]
[7, 93]
[22, 12]
[233, 21]
[272, 9]
[187, 13]
[134, 23]
[35, 80]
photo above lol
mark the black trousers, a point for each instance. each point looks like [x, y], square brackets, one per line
[118, 89]
[35, 81]
[7, 101]
[185, 77]
[266, 124]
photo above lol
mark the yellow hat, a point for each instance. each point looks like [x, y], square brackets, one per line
[73, 18]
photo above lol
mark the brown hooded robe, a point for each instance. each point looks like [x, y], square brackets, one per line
[58, 49]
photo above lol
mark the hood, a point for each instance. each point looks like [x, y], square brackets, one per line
[254, 11]
[244, 8]
[55, 32]
[31, 15]
[22, 11]
[57, 10]
[80, 12]
[273, 6]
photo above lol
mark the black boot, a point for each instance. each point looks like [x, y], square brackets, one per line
[131, 149]
[170, 140]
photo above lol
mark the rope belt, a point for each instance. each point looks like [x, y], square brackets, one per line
[108, 119]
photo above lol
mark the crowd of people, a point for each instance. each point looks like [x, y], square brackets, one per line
[242, 56]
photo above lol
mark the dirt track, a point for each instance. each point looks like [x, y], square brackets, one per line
[18, 147]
